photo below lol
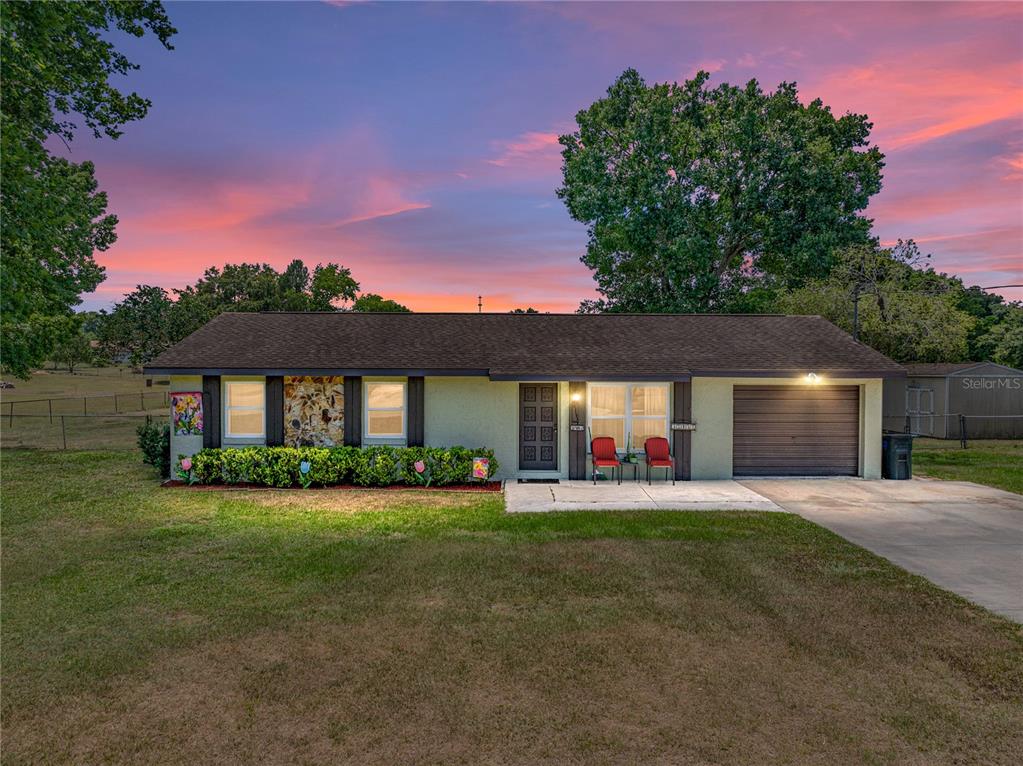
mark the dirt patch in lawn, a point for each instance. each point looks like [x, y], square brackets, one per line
[344, 501]
[583, 651]
[483, 486]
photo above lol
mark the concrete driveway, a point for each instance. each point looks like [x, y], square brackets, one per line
[963, 537]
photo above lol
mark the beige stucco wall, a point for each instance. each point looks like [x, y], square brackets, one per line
[478, 412]
[184, 445]
[712, 413]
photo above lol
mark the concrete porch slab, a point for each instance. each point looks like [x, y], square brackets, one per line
[633, 496]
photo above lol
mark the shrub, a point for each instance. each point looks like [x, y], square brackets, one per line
[208, 466]
[369, 466]
[154, 441]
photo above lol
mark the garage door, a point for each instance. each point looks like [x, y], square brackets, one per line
[796, 431]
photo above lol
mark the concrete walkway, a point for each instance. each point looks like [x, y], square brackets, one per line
[961, 536]
[633, 496]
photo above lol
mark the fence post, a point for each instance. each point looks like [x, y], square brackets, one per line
[116, 409]
[12, 415]
[63, 431]
[85, 405]
[49, 406]
[142, 401]
[962, 430]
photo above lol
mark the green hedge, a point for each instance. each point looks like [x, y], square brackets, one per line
[366, 466]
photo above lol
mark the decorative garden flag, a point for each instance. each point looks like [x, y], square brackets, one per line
[186, 407]
[480, 467]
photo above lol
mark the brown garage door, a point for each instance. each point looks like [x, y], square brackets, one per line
[796, 431]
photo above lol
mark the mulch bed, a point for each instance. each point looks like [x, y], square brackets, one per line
[490, 486]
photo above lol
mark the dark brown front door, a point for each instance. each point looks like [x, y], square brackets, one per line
[538, 426]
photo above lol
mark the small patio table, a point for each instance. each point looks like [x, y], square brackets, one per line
[635, 469]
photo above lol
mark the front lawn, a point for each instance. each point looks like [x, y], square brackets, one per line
[146, 625]
[994, 462]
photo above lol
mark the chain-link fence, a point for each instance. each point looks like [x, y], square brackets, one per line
[73, 432]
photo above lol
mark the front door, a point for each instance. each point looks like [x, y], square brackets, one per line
[538, 426]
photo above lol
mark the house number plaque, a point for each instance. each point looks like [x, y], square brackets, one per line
[683, 426]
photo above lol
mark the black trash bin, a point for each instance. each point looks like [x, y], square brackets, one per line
[897, 456]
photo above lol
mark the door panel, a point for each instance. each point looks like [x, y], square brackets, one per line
[538, 426]
[795, 431]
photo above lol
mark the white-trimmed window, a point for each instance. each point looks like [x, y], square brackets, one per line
[629, 413]
[385, 409]
[245, 409]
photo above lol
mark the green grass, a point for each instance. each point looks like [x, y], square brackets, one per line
[33, 426]
[994, 462]
[89, 381]
[150, 625]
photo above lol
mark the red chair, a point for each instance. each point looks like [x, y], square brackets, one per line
[658, 455]
[605, 455]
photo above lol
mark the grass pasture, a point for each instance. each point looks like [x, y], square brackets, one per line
[994, 462]
[148, 625]
[101, 408]
[56, 384]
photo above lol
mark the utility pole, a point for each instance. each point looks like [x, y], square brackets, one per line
[856, 311]
[479, 303]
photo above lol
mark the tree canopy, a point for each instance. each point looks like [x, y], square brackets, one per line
[59, 67]
[698, 199]
[374, 302]
[149, 319]
[910, 312]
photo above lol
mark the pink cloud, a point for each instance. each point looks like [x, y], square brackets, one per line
[380, 197]
[220, 206]
[924, 95]
[1015, 164]
[531, 148]
[710, 66]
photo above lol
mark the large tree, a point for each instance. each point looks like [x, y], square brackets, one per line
[139, 325]
[699, 199]
[58, 66]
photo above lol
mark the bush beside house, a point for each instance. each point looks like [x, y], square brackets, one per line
[154, 441]
[330, 466]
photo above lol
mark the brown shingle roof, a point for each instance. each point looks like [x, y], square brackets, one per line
[586, 346]
[937, 370]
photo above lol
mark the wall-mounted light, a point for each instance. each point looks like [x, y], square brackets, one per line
[813, 378]
[577, 397]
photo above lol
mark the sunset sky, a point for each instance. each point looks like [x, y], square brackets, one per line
[417, 144]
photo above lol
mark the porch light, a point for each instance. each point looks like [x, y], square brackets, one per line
[813, 378]
[577, 397]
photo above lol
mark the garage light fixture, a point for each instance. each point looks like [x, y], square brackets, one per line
[813, 378]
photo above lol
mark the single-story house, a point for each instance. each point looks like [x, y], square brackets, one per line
[736, 395]
[940, 399]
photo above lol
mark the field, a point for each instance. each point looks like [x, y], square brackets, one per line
[89, 381]
[150, 625]
[996, 463]
[88, 400]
